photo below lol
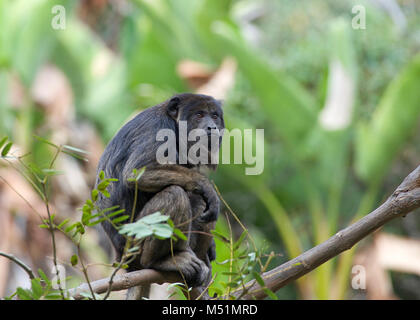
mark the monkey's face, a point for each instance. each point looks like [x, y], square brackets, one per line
[202, 118]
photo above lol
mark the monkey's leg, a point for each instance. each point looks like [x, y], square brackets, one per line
[155, 179]
[158, 254]
[201, 242]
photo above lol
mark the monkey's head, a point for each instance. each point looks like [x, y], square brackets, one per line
[200, 124]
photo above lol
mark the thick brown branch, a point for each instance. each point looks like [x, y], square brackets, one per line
[404, 199]
[125, 281]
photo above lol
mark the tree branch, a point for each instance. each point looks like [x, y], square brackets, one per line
[125, 281]
[405, 199]
[20, 263]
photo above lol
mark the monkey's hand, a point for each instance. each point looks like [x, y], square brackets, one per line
[206, 190]
[156, 178]
[195, 271]
[211, 252]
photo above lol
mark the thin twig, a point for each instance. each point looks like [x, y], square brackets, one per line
[51, 224]
[127, 245]
[20, 263]
[22, 197]
[85, 273]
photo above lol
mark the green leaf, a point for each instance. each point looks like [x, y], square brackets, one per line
[36, 288]
[6, 149]
[177, 287]
[270, 293]
[80, 228]
[179, 234]
[71, 227]
[380, 140]
[232, 284]
[95, 222]
[44, 277]
[106, 193]
[86, 218]
[137, 229]
[94, 195]
[241, 238]
[52, 172]
[103, 185]
[220, 236]
[74, 149]
[74, 260]
[120, 219]
[106, 217]
[74, 155]
[24, 294]
[53, 296]
[171, 223]
[252, 256]
[111, 209]
[140, 173]
[63, 223]
[259, 279]
[147, 226]
[156, 217]
[162, 231]
[45, 141]
[90, 203]
[35, 169]
[134, 249]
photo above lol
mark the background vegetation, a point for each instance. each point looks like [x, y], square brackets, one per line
[340, 108]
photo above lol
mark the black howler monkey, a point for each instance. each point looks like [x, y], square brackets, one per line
[178, 189]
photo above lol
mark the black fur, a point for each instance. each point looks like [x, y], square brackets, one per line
[135, 146]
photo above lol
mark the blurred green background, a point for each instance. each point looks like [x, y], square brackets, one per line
[340, 106]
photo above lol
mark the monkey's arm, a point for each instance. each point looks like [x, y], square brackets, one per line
[156, 178]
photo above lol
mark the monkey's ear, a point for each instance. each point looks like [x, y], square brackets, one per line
[173, 107]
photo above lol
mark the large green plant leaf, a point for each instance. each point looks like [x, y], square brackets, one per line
[392, 123]
[27, 36]
[287, 104]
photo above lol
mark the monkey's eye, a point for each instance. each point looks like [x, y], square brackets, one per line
[215, 116]
[199, 115]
